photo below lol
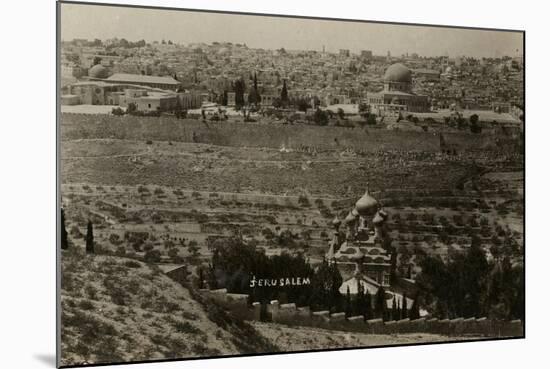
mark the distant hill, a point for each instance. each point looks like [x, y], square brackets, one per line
[118, 309]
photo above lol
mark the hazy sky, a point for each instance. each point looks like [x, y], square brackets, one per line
[103, 22]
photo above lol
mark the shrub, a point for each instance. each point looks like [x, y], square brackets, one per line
[120, 251]
[132, 264]
[186, 327]
[303, 201]
[115, 239]
[86, 305]
[152, 256]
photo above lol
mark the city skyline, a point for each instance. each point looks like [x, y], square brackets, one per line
[105, 22]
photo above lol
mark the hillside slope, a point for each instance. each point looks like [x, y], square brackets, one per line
[117, 309]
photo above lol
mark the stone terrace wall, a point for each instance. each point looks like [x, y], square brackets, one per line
[291, 315]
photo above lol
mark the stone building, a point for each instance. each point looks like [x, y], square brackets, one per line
[397, 95]
[357, 245]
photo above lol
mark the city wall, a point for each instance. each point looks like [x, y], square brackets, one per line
[290, 314]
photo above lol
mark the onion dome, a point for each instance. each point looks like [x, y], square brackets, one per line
[336, 221]
[349, 218]
[378, 219]
[366, 205]
[398, 73]
[354, 212]
[98, 71]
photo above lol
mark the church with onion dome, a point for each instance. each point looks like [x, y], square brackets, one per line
[357, 246]
[397, 95]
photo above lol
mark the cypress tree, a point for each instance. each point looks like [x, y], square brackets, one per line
[348, 303]
[415, 311]
[64, 237]
[367, 313]
[359, 300]
[380, 303]
[394, 312]
[284, 92]
[239, 92]
[90, 238]
[201, 279]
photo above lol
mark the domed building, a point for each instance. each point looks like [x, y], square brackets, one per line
[357, 243]
[398, 78]
[98, 71]
[397, 95]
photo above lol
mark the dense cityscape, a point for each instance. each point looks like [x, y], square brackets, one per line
[235, 75]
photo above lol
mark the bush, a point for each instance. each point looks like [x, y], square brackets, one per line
[120, 251]
[86, 305]
[118, 111]
[115, 239]
[152, 256]
[132, 264]
[320, 117]
[303, 201]
[186, 327]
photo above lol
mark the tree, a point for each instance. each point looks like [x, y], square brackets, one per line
[200, 282]
[90, 238]
[475, 126]
[254, 96]
[325, 292]
[394, 313]
[340, 113]
[284, 93]
[302, 105]
[415, 310]
[64, 237]
[320, 117]
[380, 303]
[132, 108]
[152, 256]
[404, 312]
[239, 88]
[96, 60]
[348, 303]
[371, 120]
[277, 103]
[367, 312]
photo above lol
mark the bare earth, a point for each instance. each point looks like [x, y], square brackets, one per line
[301, 339]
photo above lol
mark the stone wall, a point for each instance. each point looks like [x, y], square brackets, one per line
[290, 314]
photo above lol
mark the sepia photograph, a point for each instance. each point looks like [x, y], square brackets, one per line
[236, 184]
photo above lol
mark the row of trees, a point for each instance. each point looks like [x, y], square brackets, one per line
[468, 285]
